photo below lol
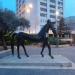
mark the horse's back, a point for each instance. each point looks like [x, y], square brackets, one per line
[21, 36]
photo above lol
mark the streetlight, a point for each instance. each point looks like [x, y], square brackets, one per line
[28, 11]
[30, 5]
[57, 14]
[28, 8]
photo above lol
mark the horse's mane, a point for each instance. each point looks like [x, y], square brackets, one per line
[46, 28]
[42, 31]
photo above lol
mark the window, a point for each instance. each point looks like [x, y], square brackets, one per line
[43, 15]
[60, 3]
[53, 1]
[61, 0]
[61, 13]
[52, 6]
[23, 1]
[52, 16]
[43, 9]
[60, 8]
[19, 1]
[59, 17]
[45, 0]
[52, 11]
[44, 4]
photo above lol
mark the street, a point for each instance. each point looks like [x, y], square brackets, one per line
[68, 52]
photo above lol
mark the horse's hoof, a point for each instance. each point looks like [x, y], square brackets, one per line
[19, 57]
[27, 55]
[51, 56]
[42, 55]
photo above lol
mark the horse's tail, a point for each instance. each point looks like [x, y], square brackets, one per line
[12, 42]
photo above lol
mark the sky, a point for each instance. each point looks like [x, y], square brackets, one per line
[69, 6]
[10, 4]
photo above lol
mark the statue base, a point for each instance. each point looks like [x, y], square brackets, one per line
[36, 60]
[36, 65]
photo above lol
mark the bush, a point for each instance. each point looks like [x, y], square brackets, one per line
[8, 40]
[27, 42]
[53, 40]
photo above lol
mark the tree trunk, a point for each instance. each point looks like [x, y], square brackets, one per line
[4, 43]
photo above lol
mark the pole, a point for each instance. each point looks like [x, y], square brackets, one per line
[57, 13]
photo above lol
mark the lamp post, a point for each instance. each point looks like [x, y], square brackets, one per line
[28, 11]
[57, 14]
[30, 6]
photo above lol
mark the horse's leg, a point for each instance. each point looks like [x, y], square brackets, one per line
[12, 46]
[12, 43]
[25, 50]
[43, 49]
[12, 49]
[18, 51]
[49, 49]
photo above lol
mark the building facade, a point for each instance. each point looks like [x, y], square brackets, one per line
[40, 12]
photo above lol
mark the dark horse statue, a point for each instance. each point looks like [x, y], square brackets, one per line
[21, 36]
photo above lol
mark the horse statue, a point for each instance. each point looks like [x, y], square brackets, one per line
[21, 37]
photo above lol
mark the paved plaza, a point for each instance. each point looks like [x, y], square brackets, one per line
[68, 51]
[62, 64]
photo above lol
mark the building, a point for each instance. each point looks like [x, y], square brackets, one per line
[70, 21]
[38, 11]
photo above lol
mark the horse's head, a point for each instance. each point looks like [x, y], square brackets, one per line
[46, 27]
[50, 25]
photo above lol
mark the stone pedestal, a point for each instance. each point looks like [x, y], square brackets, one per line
[36, 65]
[36, 60]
